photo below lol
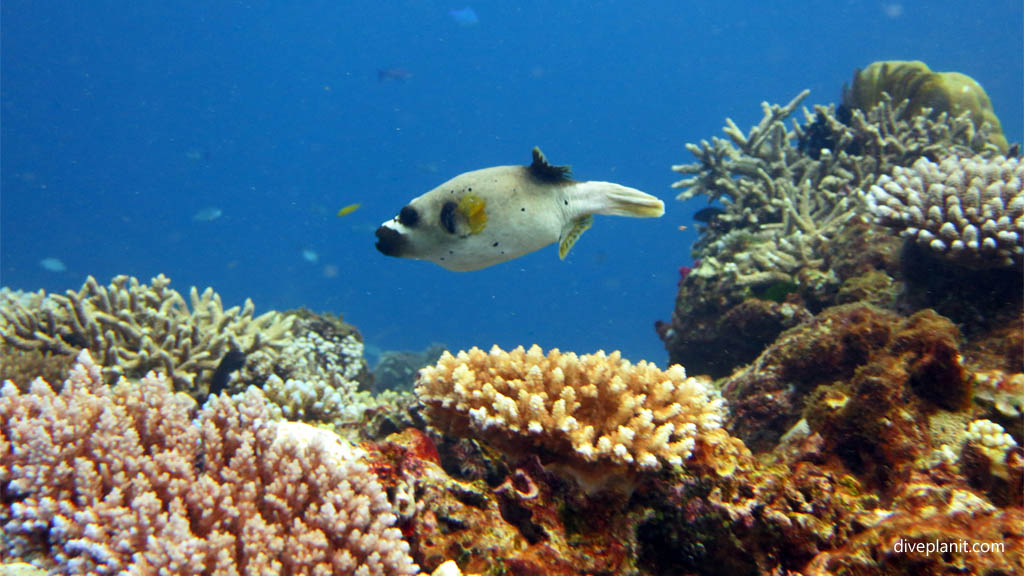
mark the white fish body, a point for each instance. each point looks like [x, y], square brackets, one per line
[485, 217]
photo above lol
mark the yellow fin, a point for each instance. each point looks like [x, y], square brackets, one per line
[580, 226]
[472, 207]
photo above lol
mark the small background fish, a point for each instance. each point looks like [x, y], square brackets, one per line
[52, 264]
[396, 74]
[465, 17]
[208, 214]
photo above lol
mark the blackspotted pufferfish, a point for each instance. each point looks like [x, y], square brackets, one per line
[485, 217]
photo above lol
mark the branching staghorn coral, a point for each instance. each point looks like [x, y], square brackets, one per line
[133, 328]
[122, 480]
[969, 210]
[787, 192]
[780, 204]
[591, 412]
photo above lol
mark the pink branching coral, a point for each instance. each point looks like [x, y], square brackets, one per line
[123, 480]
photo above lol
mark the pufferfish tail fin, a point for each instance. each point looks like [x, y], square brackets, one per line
[613, 199]
[589, 198]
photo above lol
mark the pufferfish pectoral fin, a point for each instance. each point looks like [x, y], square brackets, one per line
[573, 233]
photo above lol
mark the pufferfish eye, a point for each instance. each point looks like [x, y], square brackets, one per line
[408, 217]
[448, 216]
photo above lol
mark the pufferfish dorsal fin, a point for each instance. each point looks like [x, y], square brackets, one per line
[544, 171]
[579, 226]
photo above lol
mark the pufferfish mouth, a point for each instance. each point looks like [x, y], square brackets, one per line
[391, 242]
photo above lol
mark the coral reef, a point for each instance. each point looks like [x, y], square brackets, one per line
[779, 204]
[1001, 393]
[525, 520]
[596, 415]
[990, 438]
[397, 370]
[787, 192]
[879, 442]
[862, 430]
[324, 344]
[932, 530]
[925, 92]
[826, 363]
[868, 404]
[738, 335]
[109, 480]
[993, 462]
[970, 210]
[24, 366]
[322, 379]
[791, 221]
[133, 328]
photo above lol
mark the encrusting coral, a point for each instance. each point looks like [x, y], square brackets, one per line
[593, 412]
[132, 328]
[969, 210]
[112, 480]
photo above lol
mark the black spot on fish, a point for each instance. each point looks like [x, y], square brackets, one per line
[233, 360]
[409, 217]
[470, 189]
[566, 202]
[708, 214]
[390, 242]
[495, 245]
[522, 209]
[448, 216]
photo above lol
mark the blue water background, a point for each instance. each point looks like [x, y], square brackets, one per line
[121, 120]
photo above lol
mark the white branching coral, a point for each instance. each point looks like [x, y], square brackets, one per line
[969, 210]
[324, 386]
[588, 409]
